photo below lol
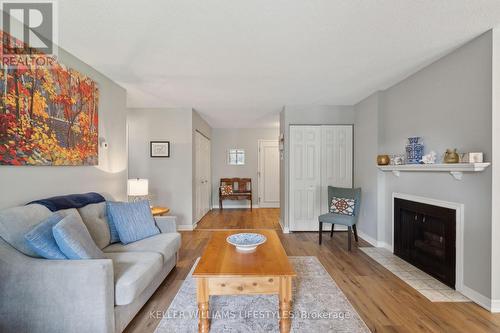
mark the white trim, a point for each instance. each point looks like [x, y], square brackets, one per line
[216, 206]
[284, 229]
[370, 239]
[459, 230]
[269, 205]
[456, 170]
[387, 246]
[374, 242]
[495, 306]
[260, 170]
[185, 227]
[367, 238]
[480, 299]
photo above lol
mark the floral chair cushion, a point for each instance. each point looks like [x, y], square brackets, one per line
[226, 189]
[342, 206]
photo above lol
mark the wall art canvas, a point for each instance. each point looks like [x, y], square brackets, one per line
[159, 148]
[48, 116]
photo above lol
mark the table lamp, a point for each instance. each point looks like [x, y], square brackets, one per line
[138, 189]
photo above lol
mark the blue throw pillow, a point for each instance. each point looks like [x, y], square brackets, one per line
[74, 239]
[133, 220]
[115, 238]
[41, 240]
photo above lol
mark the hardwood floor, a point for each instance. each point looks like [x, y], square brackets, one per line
[384, 301]
[258, 218]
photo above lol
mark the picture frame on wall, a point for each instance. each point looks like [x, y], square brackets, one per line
[159, 148]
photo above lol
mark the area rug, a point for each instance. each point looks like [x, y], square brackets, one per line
[318, 306]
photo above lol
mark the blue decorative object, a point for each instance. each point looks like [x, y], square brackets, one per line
[246, 242]
[41, 240]
[69, 201]
[414, 150]
[113, 233]
[74, 240]
[132, 220]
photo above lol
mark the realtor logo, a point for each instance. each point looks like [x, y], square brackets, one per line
[31, 26]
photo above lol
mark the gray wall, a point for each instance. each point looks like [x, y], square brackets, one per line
[305, 115]
[170, 179]
[22, 184]
[495, 168]
[449, 104]
[366, 174]
[244, 138]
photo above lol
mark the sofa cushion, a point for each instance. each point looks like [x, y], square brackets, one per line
[41, 239]
[133, 220]
[165, 244]
[133, 273]
[96, 219]
[74, 240]
[15, 222]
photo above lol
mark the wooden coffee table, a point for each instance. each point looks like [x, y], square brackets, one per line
[224, 271]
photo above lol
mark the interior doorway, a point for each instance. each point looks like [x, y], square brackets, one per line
[269, 174]
[203, 184]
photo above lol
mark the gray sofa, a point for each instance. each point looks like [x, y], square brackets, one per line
[104, 295]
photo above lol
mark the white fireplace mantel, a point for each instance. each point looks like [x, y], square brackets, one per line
[456, 170]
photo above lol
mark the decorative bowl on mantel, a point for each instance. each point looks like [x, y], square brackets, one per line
[246, 242]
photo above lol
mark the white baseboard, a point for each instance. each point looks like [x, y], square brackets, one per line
[185, 227]
[495, 306]
[387, 246]
[285, 230]
[374, 242]
[369, 239]
[235, 206]
[268, 205]
[481, 300]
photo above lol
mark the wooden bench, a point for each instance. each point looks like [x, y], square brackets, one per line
[242, 190]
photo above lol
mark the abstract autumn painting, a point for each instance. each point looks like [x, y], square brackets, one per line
[48, 116]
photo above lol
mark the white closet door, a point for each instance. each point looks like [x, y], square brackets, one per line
[336, 159]
[208, 183]
[305, 177]
[202, 176]
[269, 173]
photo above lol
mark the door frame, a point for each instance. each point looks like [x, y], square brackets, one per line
[289, 167]
[200, 136]
[260, 170]
[292, 222]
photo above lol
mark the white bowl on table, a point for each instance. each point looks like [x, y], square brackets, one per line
[246, 242]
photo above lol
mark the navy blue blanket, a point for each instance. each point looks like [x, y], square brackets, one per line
[70, 201]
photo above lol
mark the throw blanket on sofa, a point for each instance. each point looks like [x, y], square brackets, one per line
[69, 201]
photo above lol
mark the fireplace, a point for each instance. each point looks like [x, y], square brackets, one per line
[424, 235]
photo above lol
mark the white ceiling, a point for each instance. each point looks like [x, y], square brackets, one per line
[238, 62]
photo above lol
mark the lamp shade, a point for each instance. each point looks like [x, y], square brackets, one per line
[137, 187]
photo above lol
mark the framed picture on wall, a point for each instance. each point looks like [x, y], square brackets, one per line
[159, 148]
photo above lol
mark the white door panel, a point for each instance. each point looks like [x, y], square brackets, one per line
[202, 176]
[320, 156]
[305, 177]
[269, 173]
[336, 164]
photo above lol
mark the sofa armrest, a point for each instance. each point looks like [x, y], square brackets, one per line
[40, 295]
[166, 224]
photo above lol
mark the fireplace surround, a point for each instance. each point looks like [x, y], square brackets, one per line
[424, 236]
[427, 238]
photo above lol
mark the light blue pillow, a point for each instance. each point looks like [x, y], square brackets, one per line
[41, 240]
[133, 220]
[115, 238]
[74, 239]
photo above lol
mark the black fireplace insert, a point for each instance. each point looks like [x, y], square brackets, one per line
[424, 236]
